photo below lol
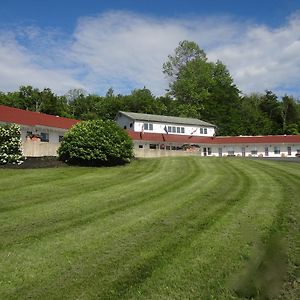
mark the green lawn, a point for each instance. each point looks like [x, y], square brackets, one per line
[171, 228]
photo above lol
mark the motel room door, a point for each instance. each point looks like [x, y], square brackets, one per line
[243, 151]
[220, 151]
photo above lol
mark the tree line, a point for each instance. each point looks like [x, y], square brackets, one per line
[197, 89]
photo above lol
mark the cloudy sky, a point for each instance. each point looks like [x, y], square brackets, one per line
[122, 44]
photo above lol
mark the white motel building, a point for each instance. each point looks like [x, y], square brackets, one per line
[152, 135]
[155, 135]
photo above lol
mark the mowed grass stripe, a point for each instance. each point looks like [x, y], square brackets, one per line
[203, 265]
[63, 184]
[142, 239]
[177, 176]
[66, 217]
[174, 226]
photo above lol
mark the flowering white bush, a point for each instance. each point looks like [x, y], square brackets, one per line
[10, 144]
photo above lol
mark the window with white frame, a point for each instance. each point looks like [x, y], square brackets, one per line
[205, 130]
[148, 126]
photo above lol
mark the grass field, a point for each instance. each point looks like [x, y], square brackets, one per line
[171, 228]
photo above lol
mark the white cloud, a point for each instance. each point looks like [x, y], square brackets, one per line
[20, 65]
[264, 58]
[126, 51]
[122, 49]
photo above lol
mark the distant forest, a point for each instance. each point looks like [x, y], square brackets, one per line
[197, 89]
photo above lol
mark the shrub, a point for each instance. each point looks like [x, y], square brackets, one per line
[96, 143]
[10, 144]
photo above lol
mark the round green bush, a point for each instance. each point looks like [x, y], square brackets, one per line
[96, 143]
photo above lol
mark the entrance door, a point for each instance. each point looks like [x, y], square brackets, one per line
[266, 151]
[220, 152]
[243, 151]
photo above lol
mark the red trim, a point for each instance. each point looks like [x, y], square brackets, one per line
[183, 139]
[30, 118]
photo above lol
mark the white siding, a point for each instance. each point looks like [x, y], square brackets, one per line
[188, 130]
[259, 148]
[125, 122]
[137, 126]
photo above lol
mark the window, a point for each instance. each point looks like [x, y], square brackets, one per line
[152, 146]
[182, 129]
[44, 137]
[174, 129]
[276, 150]
[148, 126]
[208, 151]
[169, 129]
[201, 130]
[162, 146]
[289, 150]
[60, 138]
[254, 151]
[205, 130]
[141, 146]
[230, 151]
[168, 148]
[178, 129]
[29, 133]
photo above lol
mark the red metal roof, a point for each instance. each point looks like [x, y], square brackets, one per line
[26, 117]
[183, 139]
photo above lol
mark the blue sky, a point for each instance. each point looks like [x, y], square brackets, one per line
[122, 44]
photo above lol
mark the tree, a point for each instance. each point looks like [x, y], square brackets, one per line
[186, 51]
[52, 104]
[30, 98]
[290, 115]
[73, 94]
[270, 106]
[254, 121]
[206, 85]
[96, 143]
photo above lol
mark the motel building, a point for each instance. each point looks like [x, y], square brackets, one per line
[155, 136]
[152, 135]
[41, 133]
